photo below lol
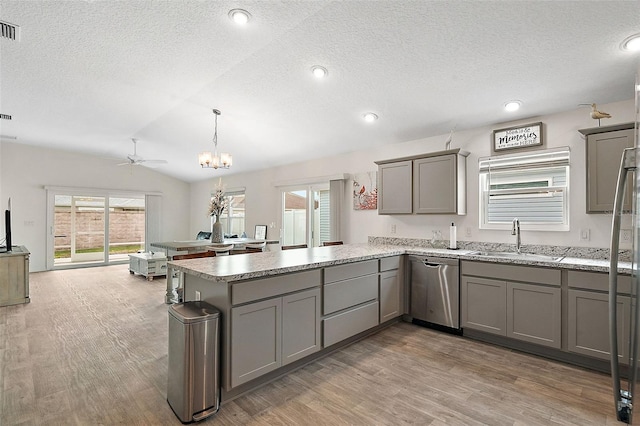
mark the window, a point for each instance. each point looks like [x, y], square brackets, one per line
[233, 218]
[533, 187]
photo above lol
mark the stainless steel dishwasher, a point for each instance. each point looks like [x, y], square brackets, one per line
[435, 292]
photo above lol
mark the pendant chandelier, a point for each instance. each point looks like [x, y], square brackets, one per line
[215, 161]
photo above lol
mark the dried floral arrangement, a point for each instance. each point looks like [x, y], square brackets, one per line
[219, 202]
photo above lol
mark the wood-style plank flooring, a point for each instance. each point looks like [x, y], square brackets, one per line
[91, 348]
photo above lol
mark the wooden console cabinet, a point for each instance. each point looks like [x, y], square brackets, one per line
[14, 276]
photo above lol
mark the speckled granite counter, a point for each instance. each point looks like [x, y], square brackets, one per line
[248, 266]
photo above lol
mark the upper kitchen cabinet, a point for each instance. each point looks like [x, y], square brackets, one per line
[603, 153]
[396, 178]
[432, 183]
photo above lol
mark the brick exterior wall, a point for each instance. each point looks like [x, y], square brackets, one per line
[126, 226]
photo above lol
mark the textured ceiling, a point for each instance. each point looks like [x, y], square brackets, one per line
[89, 76]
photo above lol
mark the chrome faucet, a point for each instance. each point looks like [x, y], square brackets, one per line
[515, 230]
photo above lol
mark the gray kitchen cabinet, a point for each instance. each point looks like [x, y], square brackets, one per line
[439, 185]
[260, 349]
[604, 146]
[394, 188]
[534, 314]
[494, 300]
[588, 314]
[275, 332]
[389, 295]
[588, 323]
[350, 300]
[484, 305]
[433, 183]
[300, 325]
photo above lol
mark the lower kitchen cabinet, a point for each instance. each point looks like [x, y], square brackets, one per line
[534, 314]
[494, 301]
[389, 295]
[274, 333]
[484, 305]
[588, 321]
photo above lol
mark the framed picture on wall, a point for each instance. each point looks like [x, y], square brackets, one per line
[261, 232]
[517, 137]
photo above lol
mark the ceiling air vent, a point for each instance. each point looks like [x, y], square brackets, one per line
[5, 117]
[10, 31]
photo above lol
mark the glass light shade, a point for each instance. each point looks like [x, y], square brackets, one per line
[226, 159]
[204, 158]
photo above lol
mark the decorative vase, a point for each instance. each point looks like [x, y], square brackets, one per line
[217, 234]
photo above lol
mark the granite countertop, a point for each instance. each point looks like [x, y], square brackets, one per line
[255, 265]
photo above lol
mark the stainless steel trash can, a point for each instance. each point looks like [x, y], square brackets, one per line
[193, 385]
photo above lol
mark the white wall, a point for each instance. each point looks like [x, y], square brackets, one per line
[25, 170]
[263, 202]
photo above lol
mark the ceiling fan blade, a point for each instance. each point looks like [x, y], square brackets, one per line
[154, 161]
[124, 164]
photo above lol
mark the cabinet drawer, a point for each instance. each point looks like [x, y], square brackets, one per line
[344, 294]
[538, 275]
[350, 323]
[389, 263]
[350, 270]
[248, 291]
[597, 281]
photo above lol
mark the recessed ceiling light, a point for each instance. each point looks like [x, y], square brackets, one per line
[319, 71]
[512, 106]
[632, 43]
[239, 16]
[370, 117]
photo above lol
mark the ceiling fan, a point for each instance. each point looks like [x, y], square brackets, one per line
[136, 160]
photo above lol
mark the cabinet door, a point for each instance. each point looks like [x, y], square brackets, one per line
[484, 305]
[389, 295]
[604, 151]
[257, 347]
[395, 188]
[435, 184]
[588, 320]
[300, 325]
[534, 314]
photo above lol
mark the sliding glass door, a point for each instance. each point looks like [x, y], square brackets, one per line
[305, 217]
[91, 229]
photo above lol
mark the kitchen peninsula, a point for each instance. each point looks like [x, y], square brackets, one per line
[272, 316]
[283, 309]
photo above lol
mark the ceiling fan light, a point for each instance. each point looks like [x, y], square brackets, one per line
[239, 16]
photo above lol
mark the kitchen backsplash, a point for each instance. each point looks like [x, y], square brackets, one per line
[577, 252]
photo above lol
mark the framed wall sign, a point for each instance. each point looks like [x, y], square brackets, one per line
[517, 137]
[261, 232]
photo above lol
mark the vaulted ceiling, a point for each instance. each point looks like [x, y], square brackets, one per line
[90, 75]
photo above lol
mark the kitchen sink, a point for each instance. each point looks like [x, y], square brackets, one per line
[522, 256]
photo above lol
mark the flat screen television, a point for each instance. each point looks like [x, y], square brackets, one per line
[7, 227]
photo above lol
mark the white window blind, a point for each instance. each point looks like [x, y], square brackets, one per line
[532, 187]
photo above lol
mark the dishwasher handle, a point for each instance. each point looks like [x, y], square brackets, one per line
[432, 265]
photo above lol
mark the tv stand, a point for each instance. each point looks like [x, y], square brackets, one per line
[14, 276]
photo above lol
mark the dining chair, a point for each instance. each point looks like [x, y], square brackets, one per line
[180, 287]
[255, 247]
[332, 243]
[297, 246]
[221, 249]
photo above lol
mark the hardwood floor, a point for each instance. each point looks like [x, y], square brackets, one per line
[91, 348]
